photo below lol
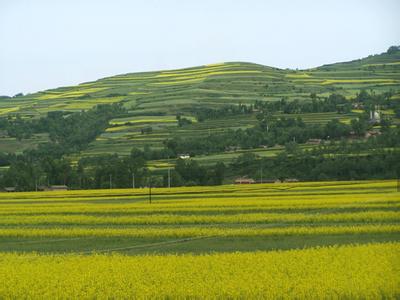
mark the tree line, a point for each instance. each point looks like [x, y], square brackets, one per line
[270, 131]
[72, 132]
[376, 157]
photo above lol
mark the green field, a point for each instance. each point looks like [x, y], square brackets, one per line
[301, 240]
[154, 98]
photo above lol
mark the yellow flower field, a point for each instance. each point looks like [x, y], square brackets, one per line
[183, 231]
[369, 271]
[305, 240]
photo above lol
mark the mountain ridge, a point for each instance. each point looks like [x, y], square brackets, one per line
[149, 95]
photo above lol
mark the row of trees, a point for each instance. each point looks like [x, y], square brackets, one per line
[206, 113]
[376, 164]
[270, 131]
[377, 157]
[28, 172]
[334, 103]
[70, 130]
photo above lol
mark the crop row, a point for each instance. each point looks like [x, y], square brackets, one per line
[369, 271]
[193, 231]
[183, 207]
[245, 218]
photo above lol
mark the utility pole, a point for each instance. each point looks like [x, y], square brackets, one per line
[150, 189]
[110, 181]
[133, 180]
[261, 175]
[169, 177]
[169, 174]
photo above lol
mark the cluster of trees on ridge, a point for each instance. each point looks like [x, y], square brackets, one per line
[69, 130]
[270, 131]
[333, 103]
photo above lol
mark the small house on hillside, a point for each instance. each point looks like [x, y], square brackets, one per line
[184, 156]
[291, 180]
[53, 188]
[10, 189]
[58, 188]
[314, 141]
[374, 117]
[244, 180]
[232, 148]
[371, 133]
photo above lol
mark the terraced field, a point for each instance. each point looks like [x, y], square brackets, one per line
[126, 134]
[303, 240]
[154, 98]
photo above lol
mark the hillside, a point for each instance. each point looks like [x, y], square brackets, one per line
[204, 105]
[154, 98]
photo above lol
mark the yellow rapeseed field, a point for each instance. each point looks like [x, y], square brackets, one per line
[326, 240]
[369, 271]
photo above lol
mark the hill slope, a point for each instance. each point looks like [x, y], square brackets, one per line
[154, 98]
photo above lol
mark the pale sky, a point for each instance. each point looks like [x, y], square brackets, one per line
[50, 43]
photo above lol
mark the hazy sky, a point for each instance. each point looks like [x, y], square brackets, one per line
[50, 43]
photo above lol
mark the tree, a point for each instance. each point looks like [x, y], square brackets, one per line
[292, 148]
[358, 126]
[335, 129]
[363, 96]
[218, 173]
[183, 121]
[393, 49]
[146, 130]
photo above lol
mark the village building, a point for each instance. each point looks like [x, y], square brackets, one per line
[357, 105]
[244, 180]
[375, 115]
[371, 133]
[58, 188]
[52, 188]
[232, 148]
[291, 180]
[314, 141]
